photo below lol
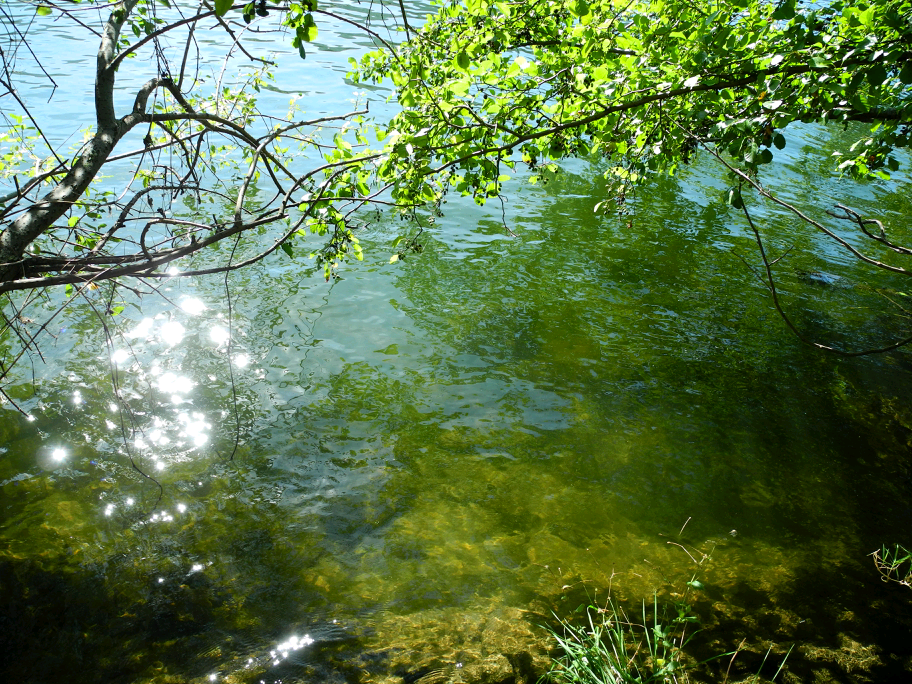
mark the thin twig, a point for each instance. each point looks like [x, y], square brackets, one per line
[237, 415]
[683, 549]
[734, 655]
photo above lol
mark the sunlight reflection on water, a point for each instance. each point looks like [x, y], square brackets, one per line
[192, 306]
[174, 383]
[142, 329]
[172, 333]
[119, 356]
[219, 335]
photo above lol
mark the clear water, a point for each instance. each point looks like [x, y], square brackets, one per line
[433, 456]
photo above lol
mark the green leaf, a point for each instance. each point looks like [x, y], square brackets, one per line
[877, 75]
[286, 247]
[734, 198]
[779, 141]
[341, 142]
[785, 10]
[307, 31]
[905, 75]
[222, 7]
[765, 157]
[463, 61]
[580, 8]
[461, 87]
[394, 258]
[42, 10]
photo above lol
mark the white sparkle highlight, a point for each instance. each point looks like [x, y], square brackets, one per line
[172, 333]
[193, 306]
[219, 335]
[119, 356]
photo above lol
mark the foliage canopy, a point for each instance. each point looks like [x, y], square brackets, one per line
[486, 84]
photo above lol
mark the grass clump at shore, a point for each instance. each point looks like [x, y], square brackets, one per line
[611, 648]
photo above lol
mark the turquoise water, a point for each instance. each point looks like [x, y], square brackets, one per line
[430, 457]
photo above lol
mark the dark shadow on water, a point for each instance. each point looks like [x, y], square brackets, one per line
[846, 626]
[59, 624]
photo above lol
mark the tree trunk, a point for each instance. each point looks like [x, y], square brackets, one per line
[31, 224]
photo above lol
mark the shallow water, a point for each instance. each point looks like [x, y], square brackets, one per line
[430, 457]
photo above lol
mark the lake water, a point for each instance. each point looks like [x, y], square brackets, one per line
[434, 455]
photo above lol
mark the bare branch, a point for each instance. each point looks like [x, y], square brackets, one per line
[850, 215]
[771, 285]
[746, 178]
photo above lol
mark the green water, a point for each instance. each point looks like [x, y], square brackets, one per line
[433, 456]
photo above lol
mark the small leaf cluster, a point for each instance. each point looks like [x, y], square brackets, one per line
[300, 19]
[342, 244]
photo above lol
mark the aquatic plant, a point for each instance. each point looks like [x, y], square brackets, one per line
[894, 564]
[610, 648]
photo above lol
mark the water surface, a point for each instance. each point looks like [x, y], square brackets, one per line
[416, 463]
